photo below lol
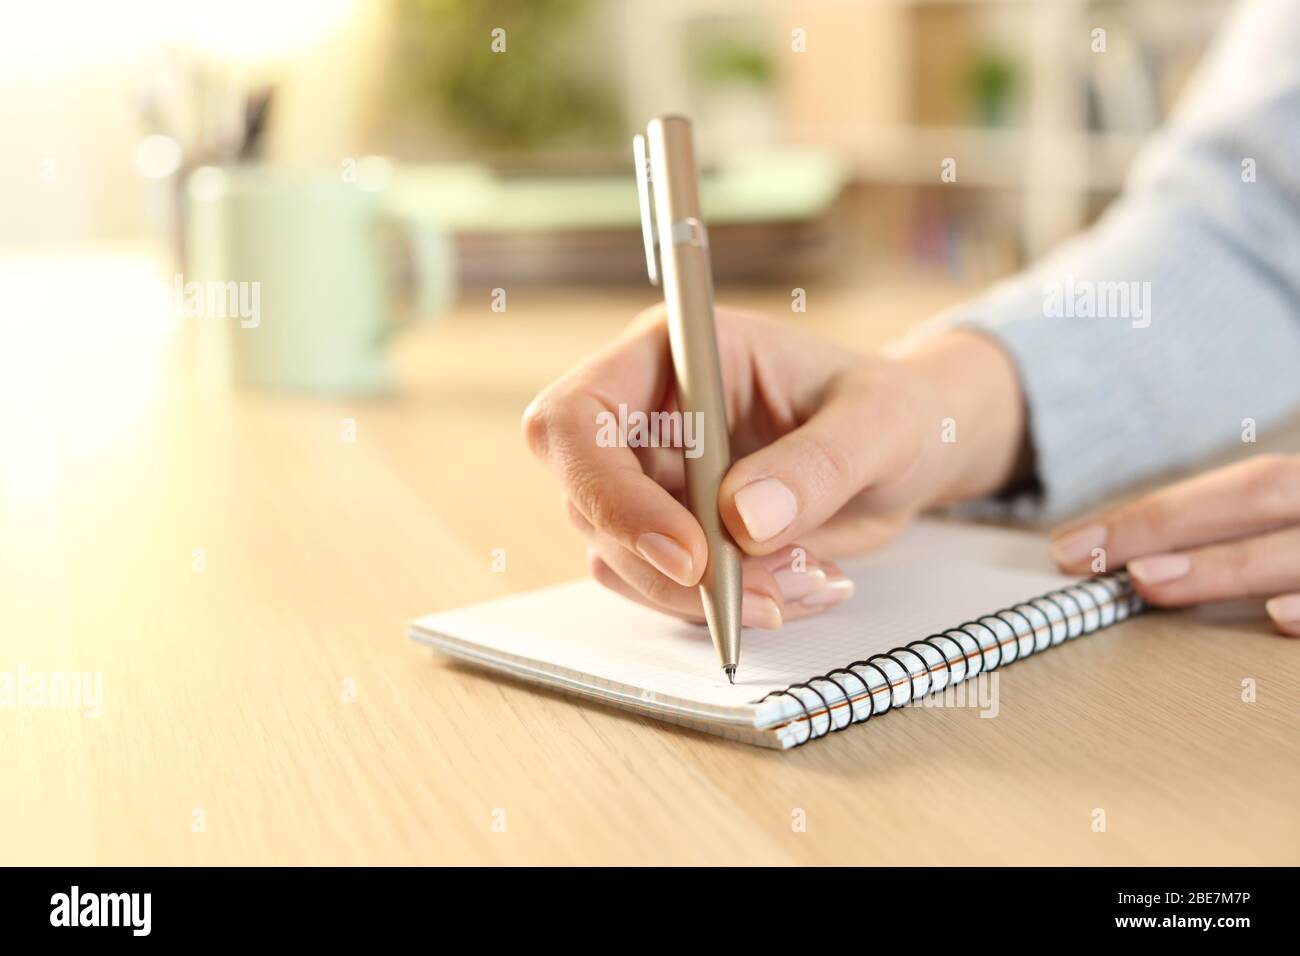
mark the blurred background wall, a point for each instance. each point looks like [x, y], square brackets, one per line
[848, 110]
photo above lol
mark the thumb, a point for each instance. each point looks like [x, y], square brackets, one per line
[791, 487]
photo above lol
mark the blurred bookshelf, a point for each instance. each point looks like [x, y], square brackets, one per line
[1041, 124]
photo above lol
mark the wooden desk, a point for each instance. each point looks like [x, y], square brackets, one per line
[225, 690]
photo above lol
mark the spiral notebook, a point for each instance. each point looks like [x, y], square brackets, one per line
[943, 604]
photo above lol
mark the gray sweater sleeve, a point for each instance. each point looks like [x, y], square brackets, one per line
[1149, 341]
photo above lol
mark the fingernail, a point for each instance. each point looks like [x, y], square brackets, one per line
[1159, 568]
[837, 589]
[759, 610]
[1284, 609]
[796, 585]
[767, 507]
[668, 556]
[1077, 546]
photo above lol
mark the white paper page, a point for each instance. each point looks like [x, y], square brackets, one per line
[936, 577]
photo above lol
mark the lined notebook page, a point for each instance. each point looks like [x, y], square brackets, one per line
[937, 576]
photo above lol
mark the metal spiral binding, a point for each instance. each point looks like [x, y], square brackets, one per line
[1079, 603]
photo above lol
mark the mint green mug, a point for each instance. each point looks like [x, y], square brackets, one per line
[310, 274]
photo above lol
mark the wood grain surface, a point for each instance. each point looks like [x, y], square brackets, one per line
[273, 698]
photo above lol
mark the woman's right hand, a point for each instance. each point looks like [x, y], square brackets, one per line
[833, 451]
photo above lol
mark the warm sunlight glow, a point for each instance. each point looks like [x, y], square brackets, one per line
[81, 342]
[66, 34]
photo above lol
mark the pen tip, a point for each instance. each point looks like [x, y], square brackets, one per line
[730, 671]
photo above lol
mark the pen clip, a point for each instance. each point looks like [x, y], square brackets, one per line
[641, 158]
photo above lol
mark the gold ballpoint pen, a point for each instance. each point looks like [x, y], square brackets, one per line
[668, 184]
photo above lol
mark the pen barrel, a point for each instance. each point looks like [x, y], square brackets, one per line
[697, 367]
[688, 296]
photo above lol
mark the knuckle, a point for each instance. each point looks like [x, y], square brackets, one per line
[1235, 565]
[537, 424]
[1264, 471]
[1155, 519]
[591, 495]
[584, 494]
[1274, 482]
[829, 464]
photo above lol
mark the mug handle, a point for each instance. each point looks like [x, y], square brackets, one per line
[434, 259]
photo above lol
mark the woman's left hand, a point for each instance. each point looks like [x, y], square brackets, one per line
[1229, 533]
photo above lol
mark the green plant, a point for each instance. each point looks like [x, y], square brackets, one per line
[730, 61]
[526, 96]
[992, 78]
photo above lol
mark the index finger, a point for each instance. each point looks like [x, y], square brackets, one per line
[1257, 495]
[566, 426]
